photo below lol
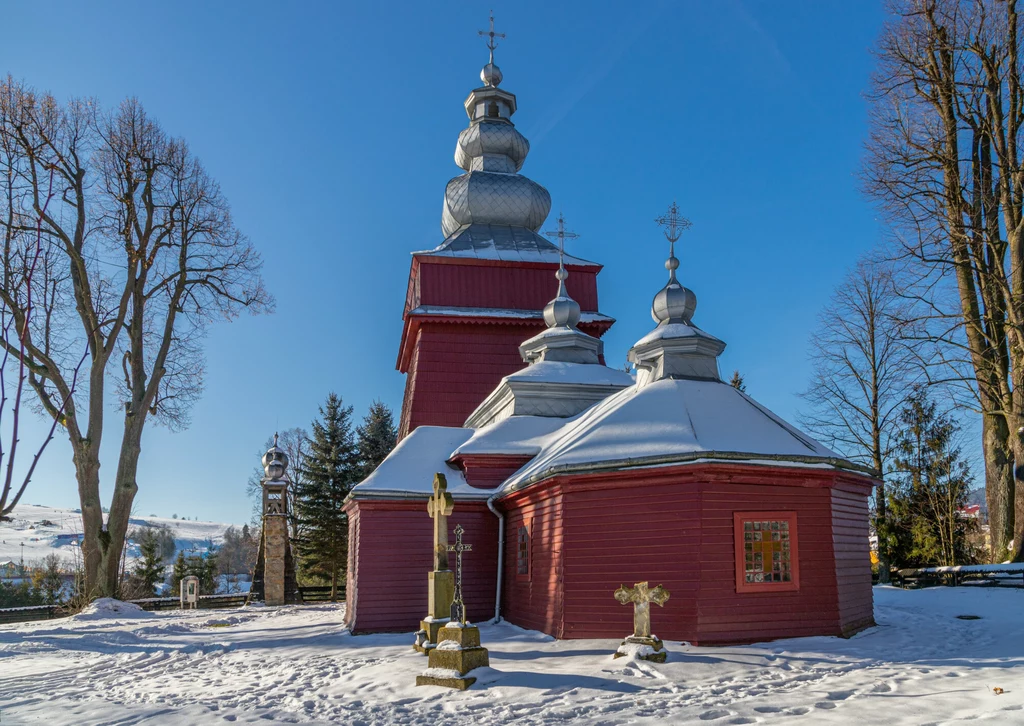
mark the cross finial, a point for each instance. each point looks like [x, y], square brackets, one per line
[275, 439]
[562, 235]
[675, 224]
[491, 35]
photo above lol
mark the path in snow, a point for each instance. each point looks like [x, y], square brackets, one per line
[921, 665]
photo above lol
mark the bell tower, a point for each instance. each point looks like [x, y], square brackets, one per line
[474, 298]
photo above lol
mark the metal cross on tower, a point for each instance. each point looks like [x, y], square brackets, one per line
[675, 224]
[458, 607]
[641, 596]
[491, 35]
[562, 235]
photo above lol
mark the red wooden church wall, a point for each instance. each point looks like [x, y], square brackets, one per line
[535, 601]
[442, 388]
[392, 543]
[853, 569]
[677, 529]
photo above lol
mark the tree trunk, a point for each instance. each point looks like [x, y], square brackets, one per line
[999, 484]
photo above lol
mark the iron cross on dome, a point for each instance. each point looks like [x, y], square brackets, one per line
[491, 35]
[675, 224]
[458, 607]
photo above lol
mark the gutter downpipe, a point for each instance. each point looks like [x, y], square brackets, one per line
[501, 556]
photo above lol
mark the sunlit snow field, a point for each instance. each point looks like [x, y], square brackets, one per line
[921, 665]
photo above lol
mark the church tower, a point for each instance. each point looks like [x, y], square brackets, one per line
[472, 300]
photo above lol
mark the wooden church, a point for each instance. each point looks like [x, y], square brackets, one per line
[571, 478]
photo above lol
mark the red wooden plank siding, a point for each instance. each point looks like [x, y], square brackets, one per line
[726, 616]
[394, 554]
[853, 560]
[507, 286]
[675, 527]
[535, 602]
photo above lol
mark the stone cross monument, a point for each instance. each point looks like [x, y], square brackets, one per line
[641, 643]
[274, 578]
[458, 650]
[440, 582]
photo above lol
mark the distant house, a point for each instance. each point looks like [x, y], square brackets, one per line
[8, 569]
[972, 511]
[67, 539]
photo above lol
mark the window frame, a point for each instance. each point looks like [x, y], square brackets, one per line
[527, 528]
[742, 586]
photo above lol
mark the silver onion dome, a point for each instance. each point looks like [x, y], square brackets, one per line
[492, 152]
[673, 303]
[563, 311]
[491, 75]
[275, 461]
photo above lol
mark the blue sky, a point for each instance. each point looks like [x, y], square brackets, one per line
[331, 128]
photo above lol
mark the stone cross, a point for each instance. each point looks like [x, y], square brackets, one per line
[439, 507]
[641, 597]
[458, 607]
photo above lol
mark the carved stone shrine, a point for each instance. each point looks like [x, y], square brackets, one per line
[274, 577]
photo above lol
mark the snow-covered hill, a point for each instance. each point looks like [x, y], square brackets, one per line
[45, 530]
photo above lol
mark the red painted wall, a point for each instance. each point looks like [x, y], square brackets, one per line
[850, 518]
[535, 601]
[499, 285]
[453, 363]
[392, 546]
[674, 527]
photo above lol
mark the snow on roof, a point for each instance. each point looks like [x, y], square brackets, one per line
[550, 371]
[515, 435]
[500, 242]
[409, 469]
[585, 317]
[672, 331]
[683, 418]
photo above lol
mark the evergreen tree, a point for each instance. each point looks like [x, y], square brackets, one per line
[930, 489]
[178, 573]
[737, 382]
[149, 570]
[329, 471]
[375, 438]
[48, 581]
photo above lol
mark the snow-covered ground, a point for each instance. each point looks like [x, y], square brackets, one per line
[921, 665]
[45, 530]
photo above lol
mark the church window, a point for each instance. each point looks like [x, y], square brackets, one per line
[492, 110]
[523, 553]
[766, 551]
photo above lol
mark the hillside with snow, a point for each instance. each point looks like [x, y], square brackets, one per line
[46, 530]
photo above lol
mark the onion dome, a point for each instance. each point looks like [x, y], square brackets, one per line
[676, 348]
[492, 151]
[275, 462]
[562, 341]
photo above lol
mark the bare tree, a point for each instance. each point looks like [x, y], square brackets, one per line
[944, 164]
[143, 254]
[22, 267]
[862, 368]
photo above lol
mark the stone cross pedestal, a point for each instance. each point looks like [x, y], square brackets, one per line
[274, 577]
[440, 582]
[458, 650]
[642, 644]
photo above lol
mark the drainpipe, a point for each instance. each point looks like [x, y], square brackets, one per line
[501, 556]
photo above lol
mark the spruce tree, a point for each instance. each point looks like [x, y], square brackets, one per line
[930, 487]
[149, 570]
[375, 438]
[329, 471]
[178, 573]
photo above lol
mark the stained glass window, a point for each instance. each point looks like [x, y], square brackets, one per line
[766, 555]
